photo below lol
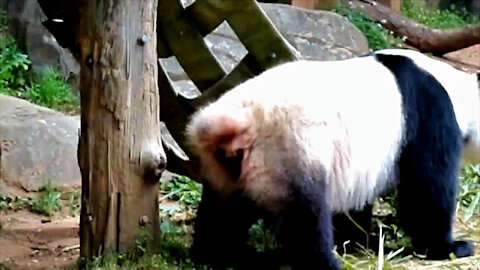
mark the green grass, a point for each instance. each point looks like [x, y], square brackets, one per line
[262, 238]
[4, 266]
[48, 88]
[174, 252]
[73, 201]
[51, 89]
[49, 201]
[378, 37]
[176, 238]
[182, 189]
[469, 191]
[14, 66]
[14, 204]
[437, 18]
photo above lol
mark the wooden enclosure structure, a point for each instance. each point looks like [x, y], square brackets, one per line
[120, 152]
[181, 31]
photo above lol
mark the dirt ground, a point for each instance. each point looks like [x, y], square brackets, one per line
[31, 241]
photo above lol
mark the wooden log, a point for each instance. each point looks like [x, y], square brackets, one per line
[437, 41]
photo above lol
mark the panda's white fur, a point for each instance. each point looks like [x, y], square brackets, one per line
[307, 139]
[353, 131]
[358, 164]
[463, 90]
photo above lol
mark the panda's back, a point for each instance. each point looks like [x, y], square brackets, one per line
[351, 120]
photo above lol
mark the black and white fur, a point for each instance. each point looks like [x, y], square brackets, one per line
[308, 139]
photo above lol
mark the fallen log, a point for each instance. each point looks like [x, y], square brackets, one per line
[436, 41]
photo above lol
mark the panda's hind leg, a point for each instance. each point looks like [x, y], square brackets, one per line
[353, 230]
[305, 228]
[427, 197]
[429, 161]
[221, 231]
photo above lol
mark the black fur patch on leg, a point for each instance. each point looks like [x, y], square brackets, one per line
[305, 228]
[429, 161]
[346, 230]
[221, 231]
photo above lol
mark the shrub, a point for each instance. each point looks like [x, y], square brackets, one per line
[378, 36]
[436, 18]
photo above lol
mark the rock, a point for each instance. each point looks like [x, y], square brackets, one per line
[317, 35]
[37, 145]
[43, 50]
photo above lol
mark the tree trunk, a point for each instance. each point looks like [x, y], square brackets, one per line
[120, 151]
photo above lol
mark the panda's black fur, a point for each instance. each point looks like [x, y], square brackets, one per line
[286, 176]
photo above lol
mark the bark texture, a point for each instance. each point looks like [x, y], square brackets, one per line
[437, 41]
[120, 151]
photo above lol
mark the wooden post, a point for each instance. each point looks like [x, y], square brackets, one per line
[120, 152]
[395, 5]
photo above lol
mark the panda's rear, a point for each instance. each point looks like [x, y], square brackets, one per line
[308, 139]
[284, 125]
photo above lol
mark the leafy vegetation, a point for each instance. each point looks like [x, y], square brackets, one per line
[14, 67]
[73, 201]
[15, 203]
[4, 266]
[176, 236]
[49, 201]
[469, 191]
[173, 252]
[377, 35]
[262, 238]
[50, 88]
[183, 189]
[381, 38]
[436, 18]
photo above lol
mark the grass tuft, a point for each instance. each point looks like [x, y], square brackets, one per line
[182, 189]
[74, 201]
[50, 88]
[14, 203]
[377, 35]
[261, 237]
[49, 201]
[436, 18]
[173, 254]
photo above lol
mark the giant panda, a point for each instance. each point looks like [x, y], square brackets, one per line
[306, 140]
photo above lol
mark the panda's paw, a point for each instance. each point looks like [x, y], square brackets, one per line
[463, 249]
[442, 252]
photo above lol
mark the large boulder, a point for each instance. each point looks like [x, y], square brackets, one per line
[43, 50]
[38, 145]
[317, 35]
